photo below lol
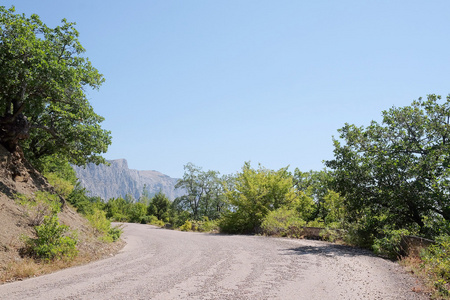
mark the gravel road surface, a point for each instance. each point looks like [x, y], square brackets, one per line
[166, 264]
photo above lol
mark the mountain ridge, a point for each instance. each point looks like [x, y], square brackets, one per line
[118, 180]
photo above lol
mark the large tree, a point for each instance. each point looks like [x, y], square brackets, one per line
[203, 196]
[254, 194]
[159, 207]
[398, 169]
[43, 104]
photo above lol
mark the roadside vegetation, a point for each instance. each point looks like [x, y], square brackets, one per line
[386, 180]
[46, 124]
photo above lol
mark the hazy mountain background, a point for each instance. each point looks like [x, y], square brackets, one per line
[117, 180]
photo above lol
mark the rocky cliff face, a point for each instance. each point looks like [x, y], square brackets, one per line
[117, 180]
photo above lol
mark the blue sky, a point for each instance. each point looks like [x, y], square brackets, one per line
[218, 83]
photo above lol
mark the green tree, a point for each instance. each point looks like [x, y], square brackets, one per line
[218, 199]
[201, 191]
[136, 212]
[314, 184]
[43, 105]
[397, 171]
[118, 209]
[334, 207]
[84, 204]
[254, 195]
[160, 207]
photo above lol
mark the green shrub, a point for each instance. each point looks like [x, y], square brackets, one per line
[205, 226]
[153, 220]
[178, 218]
[40, 205]
[84, 203]
[389, 243]
[232, 222]
[436, 262]
[145, 220]
[136, 212]
[283, 222]
[118, 217]
[333, 232]
[115, 232]
[102, 225]
[187, 226]
[52, 241]
[363, 231]
[63, 187]
[435, 226]
[316, 223]
[255, 193]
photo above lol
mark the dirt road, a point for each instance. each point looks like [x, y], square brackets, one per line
[165, 264]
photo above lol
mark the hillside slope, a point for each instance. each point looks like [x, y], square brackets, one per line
[117, 180]
[17, 177]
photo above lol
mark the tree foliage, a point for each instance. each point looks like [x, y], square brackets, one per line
[256, 192]
[43, 105]
[203, 192]
[399, 168]
[314, 184]
[159, 207]
[52, 241]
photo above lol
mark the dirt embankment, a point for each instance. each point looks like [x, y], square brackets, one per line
[18, 177]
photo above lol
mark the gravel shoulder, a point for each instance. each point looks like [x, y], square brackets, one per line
[166, 264]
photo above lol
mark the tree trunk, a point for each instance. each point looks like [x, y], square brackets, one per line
[13, 129]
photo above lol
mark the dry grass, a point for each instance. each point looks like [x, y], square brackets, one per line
[22, 268]
[426, 282]
[19, 270]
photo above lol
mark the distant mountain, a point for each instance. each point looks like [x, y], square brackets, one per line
[117, 180]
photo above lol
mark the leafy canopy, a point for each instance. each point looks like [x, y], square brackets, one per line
[400, 168]
[255, 193]
[43, 104]
[203, 193]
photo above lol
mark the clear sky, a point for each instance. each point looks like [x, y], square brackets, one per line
[218, 83]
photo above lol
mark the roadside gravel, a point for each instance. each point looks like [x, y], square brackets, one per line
[166, 264]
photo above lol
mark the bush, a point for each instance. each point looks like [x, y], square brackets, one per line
[283, 222]
[232, 222]
[37, 207]
[102, 225]
[255, 193]
[363, 231]
[436, 263]
[187, 226]
[153, 220]
[178, 218]
[63, 187]
[84, 203]
[205, 226]
[316, 223]
[389, 244]
[51, 241]
[115, 232]
[332, 232]
[136, 212]
[435, 226]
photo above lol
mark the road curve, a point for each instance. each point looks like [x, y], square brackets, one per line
[166, 264]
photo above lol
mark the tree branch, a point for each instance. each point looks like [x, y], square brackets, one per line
[50, 130]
